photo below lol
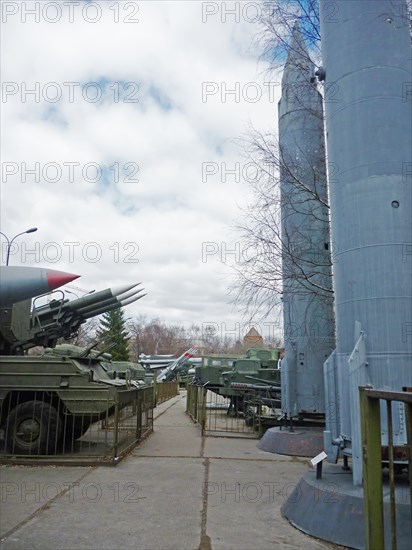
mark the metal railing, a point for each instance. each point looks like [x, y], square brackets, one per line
[165, 390]
[372, 462]
[195, 404]
[238, 414]
[81, 427]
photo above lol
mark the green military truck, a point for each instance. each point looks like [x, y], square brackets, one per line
[50, 400]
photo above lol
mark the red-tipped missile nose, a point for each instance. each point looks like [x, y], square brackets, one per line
[59, 278]
[19, 283]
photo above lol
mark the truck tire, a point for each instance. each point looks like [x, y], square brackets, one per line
[33, 428]
[74, 427]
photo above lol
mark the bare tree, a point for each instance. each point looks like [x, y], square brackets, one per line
[277, 21]
[261, 273]
[156, 337]
[276, 254]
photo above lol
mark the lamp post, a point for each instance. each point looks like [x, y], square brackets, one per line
[9, 243]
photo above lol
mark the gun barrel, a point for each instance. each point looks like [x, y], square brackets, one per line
[264, 381]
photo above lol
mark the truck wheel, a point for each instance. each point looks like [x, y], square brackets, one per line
[33, 428]
[74, 427]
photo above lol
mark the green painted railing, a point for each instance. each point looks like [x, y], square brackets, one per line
[165, 390]
[372, 462]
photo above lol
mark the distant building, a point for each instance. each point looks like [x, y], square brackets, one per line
[253, 339]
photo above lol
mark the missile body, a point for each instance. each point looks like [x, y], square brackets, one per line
[87, 306]
[171, 370]
[18, 283]
[306, 263]
[366, 52]
[20, 331]
[117, 296]
[117, 305]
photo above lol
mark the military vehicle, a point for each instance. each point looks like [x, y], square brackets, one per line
[258, 363]
[134, 373]
[251, 379]
[225, 370]
[49, 400]
[210, 371]
[52, 399]
[241, 378]
[126, 370]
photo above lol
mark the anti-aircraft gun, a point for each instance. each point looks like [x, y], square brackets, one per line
[49, 400]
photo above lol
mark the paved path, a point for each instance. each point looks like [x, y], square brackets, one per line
[175, 491]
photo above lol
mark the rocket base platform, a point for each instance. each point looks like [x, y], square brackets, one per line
[301, 442]
[331, 508]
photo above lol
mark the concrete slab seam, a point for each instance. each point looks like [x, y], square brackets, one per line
[45, 506]
[205, 542]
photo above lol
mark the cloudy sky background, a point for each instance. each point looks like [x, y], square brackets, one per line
[161, 223]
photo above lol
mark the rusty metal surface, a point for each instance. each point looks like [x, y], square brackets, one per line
[301, 442]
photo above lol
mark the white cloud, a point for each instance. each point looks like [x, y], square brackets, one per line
[163, 218]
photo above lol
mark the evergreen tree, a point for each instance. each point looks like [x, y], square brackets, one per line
[112, 330]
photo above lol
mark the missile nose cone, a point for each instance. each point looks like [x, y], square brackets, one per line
[118, 290]
[59, 278]
[298, 63]
[133, 292]
[132, 299]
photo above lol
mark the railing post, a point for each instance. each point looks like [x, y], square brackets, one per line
[116, 427]
[408, 407]
[139, 407]
[155, 387]
[372, 471]
[203, 409]
[391, 475]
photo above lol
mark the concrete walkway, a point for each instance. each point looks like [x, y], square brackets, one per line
[175, 491]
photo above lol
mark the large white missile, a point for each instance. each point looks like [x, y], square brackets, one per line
[307, 275]
[366, 52]
[19, 283]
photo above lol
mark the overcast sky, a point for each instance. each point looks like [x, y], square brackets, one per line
[117, 127]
